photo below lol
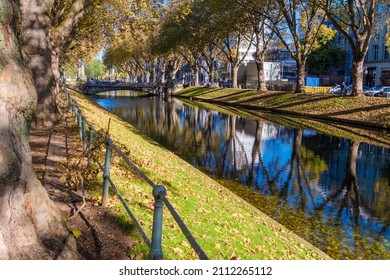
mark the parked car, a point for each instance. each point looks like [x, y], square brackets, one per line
[335, 90]
[374, 91]
[370, 92]
[383, 91]
[349, 90]
[386, 92]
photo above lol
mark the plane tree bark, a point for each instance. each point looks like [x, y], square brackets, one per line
[46, 31]
[31, 226]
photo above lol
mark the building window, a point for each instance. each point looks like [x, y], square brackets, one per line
[375, 52]
[386, 54]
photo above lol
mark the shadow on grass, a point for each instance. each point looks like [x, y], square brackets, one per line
[209, 91]
[197, 92]
[368, 108]
[188, 91]
[306, 101]
[265, 96]
[230, 96]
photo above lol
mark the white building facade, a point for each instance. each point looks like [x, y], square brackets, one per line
[377, 62]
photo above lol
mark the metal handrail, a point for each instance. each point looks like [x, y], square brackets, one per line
[133, 218]
[159, 191]
[195, 245]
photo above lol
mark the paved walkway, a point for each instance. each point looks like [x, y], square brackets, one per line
[54, 154]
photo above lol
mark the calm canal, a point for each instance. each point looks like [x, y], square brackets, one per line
[331, 191]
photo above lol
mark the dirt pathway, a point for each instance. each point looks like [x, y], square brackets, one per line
[102, 236]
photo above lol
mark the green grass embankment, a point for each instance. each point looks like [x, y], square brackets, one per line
[224, 225]
[367, 111]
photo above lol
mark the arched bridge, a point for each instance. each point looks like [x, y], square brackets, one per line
[95, 86]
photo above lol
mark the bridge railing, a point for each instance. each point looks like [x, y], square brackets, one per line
[159, 192]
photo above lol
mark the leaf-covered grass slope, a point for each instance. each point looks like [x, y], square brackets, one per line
[375, 110]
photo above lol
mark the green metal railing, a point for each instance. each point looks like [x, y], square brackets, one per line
[158, 191]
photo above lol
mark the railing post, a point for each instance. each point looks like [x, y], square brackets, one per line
[75, 108]
[66, 94]
[90, 139]
[106, 173]
[69, 98]
[156, 253]
[72, 107]
[83, 133]
[80, 123]
[77, 114]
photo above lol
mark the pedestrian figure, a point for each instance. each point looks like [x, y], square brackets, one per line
[342, 87]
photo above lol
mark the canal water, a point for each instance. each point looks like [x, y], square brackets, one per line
[333, 192]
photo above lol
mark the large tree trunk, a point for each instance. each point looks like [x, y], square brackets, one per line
[148, 75]
[235, 76]
[162, 68]
[163, 75]
[38, 54]
[173, 74]
[210, 72]
[301, 65]
[261, 85]
[43, 39]
[196, 75]
[154, 78]
[260, 50]
[31, 226]
[81, 70]
[56, 71]
[357, 77]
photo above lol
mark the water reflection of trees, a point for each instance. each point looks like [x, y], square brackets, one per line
[234, 159]
[315, 177]
[256, 154]
[349, 187]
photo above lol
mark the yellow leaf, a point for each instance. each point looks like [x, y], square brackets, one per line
[76, 233]
[177, 251]
[217, 246]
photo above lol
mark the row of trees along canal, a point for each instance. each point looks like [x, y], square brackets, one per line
[38, 38]
[200, 33]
